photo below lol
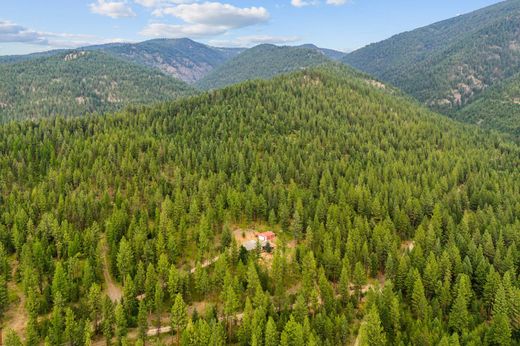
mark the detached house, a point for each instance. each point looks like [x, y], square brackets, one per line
[266, 237]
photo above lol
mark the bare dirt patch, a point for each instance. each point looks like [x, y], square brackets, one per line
[114, 292]
[376, 84]
[408, 245]
[243, 235]
[16, 316]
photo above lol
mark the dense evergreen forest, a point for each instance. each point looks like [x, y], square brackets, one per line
[263, 62]
[80, 82]
[393, 225]
[496, 108]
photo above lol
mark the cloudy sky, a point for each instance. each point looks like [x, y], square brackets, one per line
[36, 25]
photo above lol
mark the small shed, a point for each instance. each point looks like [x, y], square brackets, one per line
[250, 245]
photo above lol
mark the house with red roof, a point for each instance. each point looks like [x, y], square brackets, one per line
[266, 236]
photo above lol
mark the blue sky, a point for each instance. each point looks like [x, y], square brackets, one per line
[35, 25]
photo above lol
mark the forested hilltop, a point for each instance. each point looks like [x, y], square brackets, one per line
[393, 225]
[262, 62]
[80, 82]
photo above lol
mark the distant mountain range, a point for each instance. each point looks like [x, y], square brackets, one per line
[447, 65]
[466, 67]
[80, 82]
[108, 77]
[183, 58]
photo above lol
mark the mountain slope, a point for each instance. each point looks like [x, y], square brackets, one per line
[330, 53]
[496, 108]
[9, 59]
[261, 62]
[184, 59]
[447, 64]
[79, 82]
[374, 199]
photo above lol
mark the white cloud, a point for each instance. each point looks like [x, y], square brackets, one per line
[303, 3]
[113, 9]
[15, 33]
[180, 31]
[11, 32]
[204, 19]
[253, 40]
[162, 3]
[216, 13]
[336, 2]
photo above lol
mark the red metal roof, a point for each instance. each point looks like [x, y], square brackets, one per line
[267, 235]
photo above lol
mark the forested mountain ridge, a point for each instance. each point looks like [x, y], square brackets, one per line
[9, 59]
[183, 58]
[447, 64]
[395, 225]
[80, 82]
[496, 108]
[262, 62]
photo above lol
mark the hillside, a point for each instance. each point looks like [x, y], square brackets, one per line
[393, 224]
[262, 62]
[447, 64]
[496, 108]
[330, 53]
[9, 59]
[184, 59]
[80, 82]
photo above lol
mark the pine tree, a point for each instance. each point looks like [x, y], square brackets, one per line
[419, 302]
[31, 333]
[57, 323]
[158, 303]
[108, 320]
[292, 334]
[179, 316]
[500, 331]
[88, 333]
[271, 333]
[344, 284]
[459, 315]
[120, 322]
[371, 332]
[359, 278]
[4, 297]
[70, 327]
[60, 283]
[124, 259]
[94, 304]
[142, 320]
